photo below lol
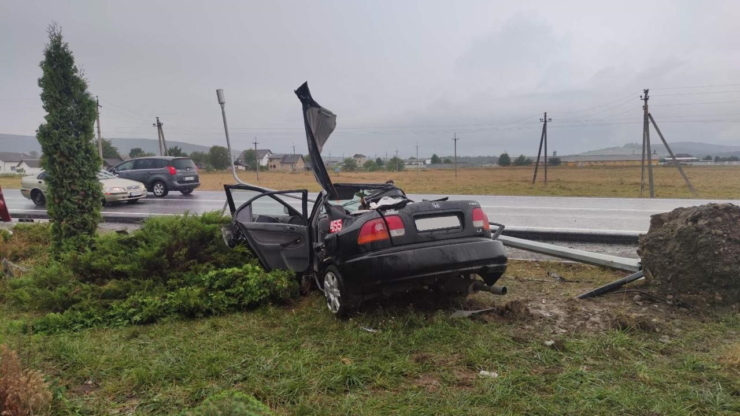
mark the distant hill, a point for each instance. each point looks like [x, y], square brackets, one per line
[694, 148]
[27, 144]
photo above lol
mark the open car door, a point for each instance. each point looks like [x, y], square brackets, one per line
[275, 229]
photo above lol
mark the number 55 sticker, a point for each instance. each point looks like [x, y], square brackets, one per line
[335, 226]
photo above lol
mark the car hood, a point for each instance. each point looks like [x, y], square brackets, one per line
[319, 123]
[120, 183]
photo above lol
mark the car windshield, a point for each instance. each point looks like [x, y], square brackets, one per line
[353, 204]
[103, 175]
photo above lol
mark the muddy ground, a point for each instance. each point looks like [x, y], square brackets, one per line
[541, 300]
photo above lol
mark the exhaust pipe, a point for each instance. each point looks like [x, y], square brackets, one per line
[480, 286]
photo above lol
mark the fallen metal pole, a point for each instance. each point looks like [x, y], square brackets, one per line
[222, 103]
[604, 260]
[612, 286]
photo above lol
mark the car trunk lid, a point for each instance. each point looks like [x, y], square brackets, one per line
[433, 221]
[186, 172]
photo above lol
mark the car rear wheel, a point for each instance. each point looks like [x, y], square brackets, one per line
[159, 189]
[186, 191]
[38, 198]
[337, 297]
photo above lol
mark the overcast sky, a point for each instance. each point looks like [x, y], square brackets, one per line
[396, 73]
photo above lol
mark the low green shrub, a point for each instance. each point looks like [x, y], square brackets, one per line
[171, 268]
[230, 403]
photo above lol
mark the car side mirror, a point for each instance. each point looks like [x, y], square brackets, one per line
[286, 211]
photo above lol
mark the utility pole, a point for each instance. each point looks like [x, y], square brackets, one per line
[646, 148]
[293, 147]
[455, 139]
[100, 138]
[164, 142]
[543, 140]
[398, 165]
[257, 162]
[417, 156]
[160, 137]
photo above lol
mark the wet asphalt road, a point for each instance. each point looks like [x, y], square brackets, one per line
[575, 214]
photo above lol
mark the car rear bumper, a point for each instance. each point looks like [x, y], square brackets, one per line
[26, 193]
[180, 186]
[423, 264]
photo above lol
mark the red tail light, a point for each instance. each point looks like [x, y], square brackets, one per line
[480, 219]
[172, 169]
[373, 230]
[395, 225]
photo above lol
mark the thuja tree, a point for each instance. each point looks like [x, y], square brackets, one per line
[69, 156]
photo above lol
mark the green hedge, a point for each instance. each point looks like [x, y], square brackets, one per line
[173, 267]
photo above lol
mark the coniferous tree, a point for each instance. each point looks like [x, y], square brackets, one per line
[70, 156]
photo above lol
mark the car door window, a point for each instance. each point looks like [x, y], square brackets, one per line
[159, 164]
[272, 209]
[41, 176]
[142, 164]
[275, 230]
[125, 166]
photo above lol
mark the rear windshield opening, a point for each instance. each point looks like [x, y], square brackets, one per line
[183, 164]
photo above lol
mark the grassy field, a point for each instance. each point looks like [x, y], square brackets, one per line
[715, 182]
[612, 356]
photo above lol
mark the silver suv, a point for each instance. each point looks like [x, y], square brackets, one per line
[161, 174]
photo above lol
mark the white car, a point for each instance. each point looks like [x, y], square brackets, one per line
[115, 189]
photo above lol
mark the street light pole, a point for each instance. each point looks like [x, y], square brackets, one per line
[222, 101]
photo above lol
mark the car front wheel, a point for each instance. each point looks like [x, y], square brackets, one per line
[160, 189]
[337, 297]
[38, 198]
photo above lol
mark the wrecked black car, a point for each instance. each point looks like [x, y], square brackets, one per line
[362, 240]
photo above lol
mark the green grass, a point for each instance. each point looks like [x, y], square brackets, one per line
[299, 360]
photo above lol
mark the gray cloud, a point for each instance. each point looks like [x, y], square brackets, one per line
[396, 73]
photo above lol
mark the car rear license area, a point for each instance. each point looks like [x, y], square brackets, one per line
[438, 222]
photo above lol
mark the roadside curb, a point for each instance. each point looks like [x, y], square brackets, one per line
[580, 236]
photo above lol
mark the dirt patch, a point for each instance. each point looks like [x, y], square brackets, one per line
[464, 378]
[515, 309]
[84, 389]
[630, 321]
[695, 252]
[428, 382]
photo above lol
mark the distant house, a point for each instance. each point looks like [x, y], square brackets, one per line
[360, 159]
[29, 167]
[109, 163]
[273, 161]
[263, 157]
[9, 161]
[291, 163]
[683, 158]
[604, 160]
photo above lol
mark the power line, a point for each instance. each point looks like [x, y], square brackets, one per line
[697, 93]
[604, 110]
[698, 86]
[632, 94]
[711, 102]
